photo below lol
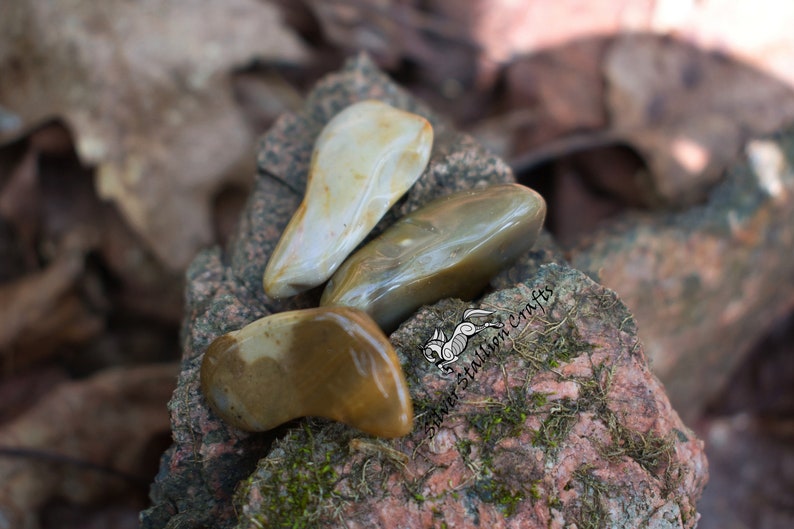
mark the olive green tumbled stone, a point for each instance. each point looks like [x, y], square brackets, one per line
[451, 247]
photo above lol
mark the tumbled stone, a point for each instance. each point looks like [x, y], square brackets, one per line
[329, 362]
[364, 160]
[451, 247]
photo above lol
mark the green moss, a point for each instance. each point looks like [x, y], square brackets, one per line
[538, 399]
[651, 451]
[414, 486]
[297, 489]
[464, 447]
[497, 422]
[591, 512]
[554, 502]
[562, 342]
[500, 420]
[556, 343]
[534, 491]
[495, 491]
[557, 425]
[423, 405]
[594, 391]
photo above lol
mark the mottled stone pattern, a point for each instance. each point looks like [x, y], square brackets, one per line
[200, 471]
[552, 420]
[706, 283]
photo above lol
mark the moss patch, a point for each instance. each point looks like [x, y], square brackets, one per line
[557, 425]
[591, 511]
[556, 343]
[492, 490]
[297, 486]
[651, 451]
[500, 420]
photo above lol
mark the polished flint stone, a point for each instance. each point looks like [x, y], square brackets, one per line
[364, 160]
[329, 362]
[449, 248]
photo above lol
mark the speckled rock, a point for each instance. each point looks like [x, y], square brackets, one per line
[707, 282]
[199, 473]
[561, 423]
[552, 420]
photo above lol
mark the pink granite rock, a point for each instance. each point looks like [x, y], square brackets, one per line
[707, 282]
[560, 423]
[549, 421]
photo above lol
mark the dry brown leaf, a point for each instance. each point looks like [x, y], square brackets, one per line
[145, 88]
[389, 30]
[55, 300]
[562, 87]
[685, 83]
[505, 29]
[20, 198]
[80, 441]
[18, 392]
[436, 52]
[27, 302]
[688, 111]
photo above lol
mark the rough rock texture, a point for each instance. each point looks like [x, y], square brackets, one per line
[550, 421]
[706, 283]
[224, 289]
[561, 423]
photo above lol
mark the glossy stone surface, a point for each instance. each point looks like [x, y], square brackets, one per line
[364, 160]
[449, 248]
[328, 362]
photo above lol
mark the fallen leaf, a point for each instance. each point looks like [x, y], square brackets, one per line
[31, 306]
[145, 88]
[84, 441]
[688, 111]
[563, 89]
[505, 30]
[390, 30]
